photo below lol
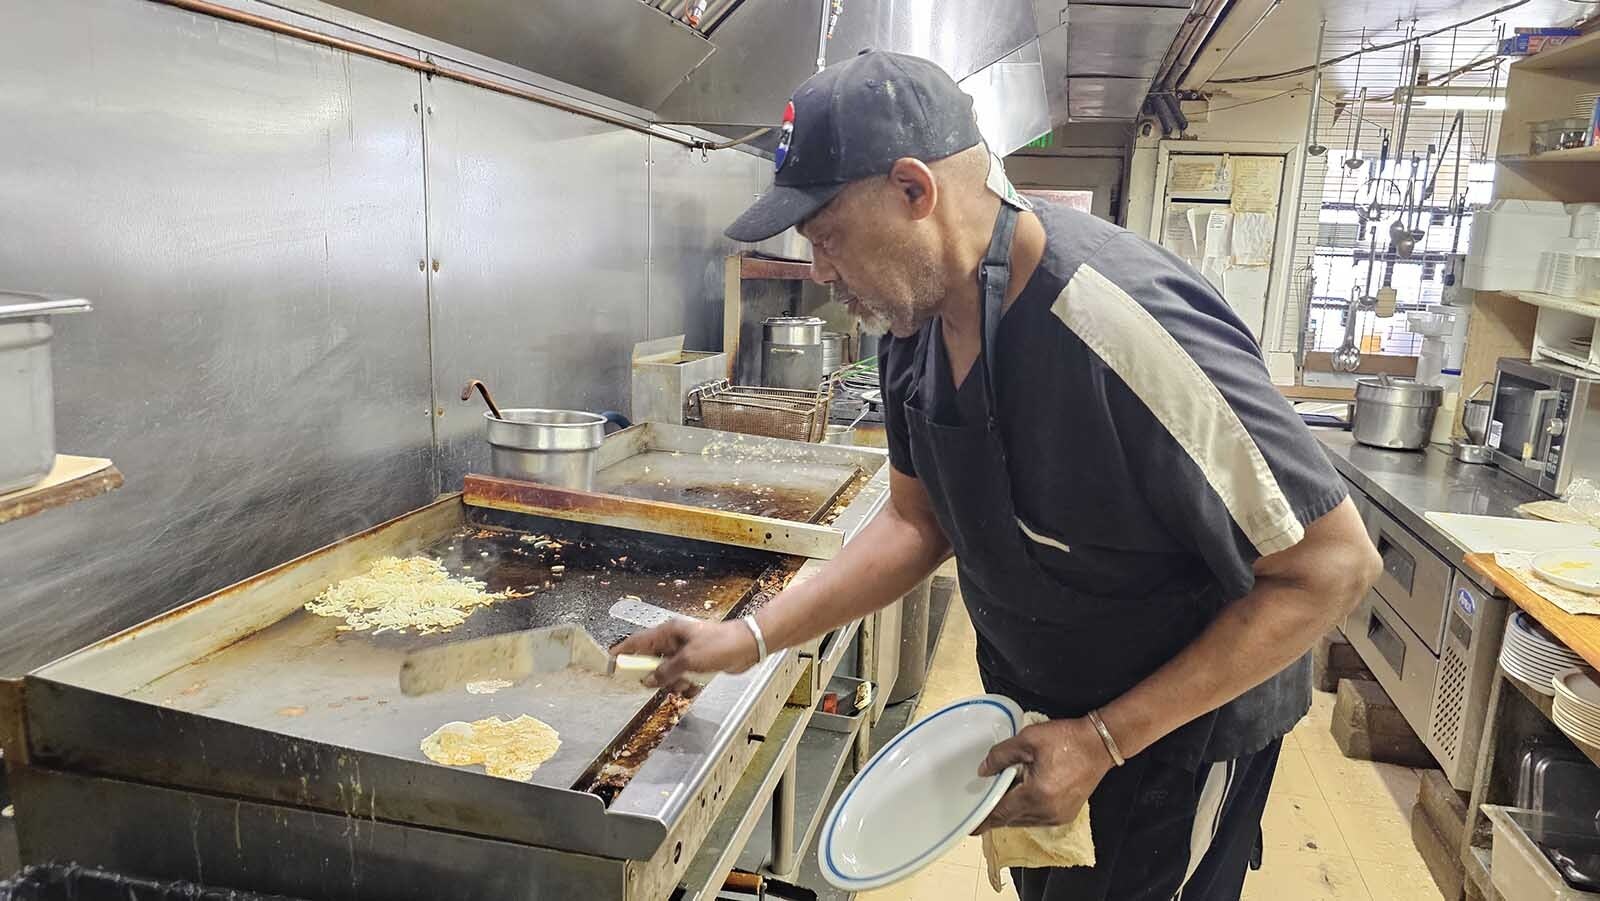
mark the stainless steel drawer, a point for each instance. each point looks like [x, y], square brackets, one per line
[1403, 664]
[1415, 581]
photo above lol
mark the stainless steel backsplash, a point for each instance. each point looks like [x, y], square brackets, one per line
[257, 220]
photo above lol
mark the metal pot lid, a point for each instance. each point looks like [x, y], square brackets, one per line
[537, 429]
[16, 304]
[801, 330]
[1399, 392]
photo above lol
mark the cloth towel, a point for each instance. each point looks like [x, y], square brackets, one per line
[1520, 564]
[1070, 845]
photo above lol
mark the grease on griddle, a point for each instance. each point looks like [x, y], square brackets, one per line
[572, 579]
[625, 760]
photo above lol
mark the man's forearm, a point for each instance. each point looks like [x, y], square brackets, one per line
[1250, 641]
[1299, 594]
[886, 560]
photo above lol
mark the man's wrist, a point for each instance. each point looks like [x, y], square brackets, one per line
[757, 635]
[1106, 738]
[1127, 729]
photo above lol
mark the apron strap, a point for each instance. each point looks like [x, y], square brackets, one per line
[994, 280]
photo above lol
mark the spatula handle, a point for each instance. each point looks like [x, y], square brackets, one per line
[637, 666]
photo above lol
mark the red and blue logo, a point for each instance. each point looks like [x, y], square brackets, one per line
[784, 137]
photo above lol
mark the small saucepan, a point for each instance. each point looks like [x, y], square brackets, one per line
[552, 447]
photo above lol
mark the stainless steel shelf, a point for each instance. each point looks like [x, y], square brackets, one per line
[743, 834]
[822, 757]
[745, 807]
[1476, 864]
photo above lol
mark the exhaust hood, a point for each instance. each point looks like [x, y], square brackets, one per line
[768, 47]
[1009, 99]
[623, 49]
[1101, 56]
[960, 35]
[1028, 63]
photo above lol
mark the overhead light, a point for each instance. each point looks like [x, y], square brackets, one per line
[1446, 97]
[1462, 102]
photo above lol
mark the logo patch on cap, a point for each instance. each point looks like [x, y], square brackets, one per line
[784, 137]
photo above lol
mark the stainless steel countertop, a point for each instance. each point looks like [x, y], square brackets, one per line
[1408, 484]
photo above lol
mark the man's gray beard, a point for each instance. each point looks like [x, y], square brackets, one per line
[873, 323]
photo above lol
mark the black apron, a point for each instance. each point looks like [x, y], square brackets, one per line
[1052, 649]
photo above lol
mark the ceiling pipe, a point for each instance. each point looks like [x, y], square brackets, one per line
[1168, 113]
[1190, 39]
[1223, 42]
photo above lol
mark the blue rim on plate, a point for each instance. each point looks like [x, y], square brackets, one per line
[997, 788]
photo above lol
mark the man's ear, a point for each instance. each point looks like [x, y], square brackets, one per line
[915, 185]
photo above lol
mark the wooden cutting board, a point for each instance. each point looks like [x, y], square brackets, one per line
[1487, 534]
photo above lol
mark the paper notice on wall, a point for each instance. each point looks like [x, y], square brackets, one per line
[1197, 216]
[1219, 235]
[1253, 238]
[1176, 235]
[1199, 175]
[1257, 181]
[1184, 231]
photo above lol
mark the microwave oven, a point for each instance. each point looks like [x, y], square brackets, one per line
[1544, 423]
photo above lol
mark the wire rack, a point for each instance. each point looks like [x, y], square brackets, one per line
[795, 414]
[1353, 192]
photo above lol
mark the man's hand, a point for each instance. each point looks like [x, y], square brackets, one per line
[692, 647]
[1062, 762]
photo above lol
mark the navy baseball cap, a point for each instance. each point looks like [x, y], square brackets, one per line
[852, 120]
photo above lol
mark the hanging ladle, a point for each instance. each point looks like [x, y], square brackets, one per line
[1312, 147]
[1348, 357]
[1355, 161]
[466, 394]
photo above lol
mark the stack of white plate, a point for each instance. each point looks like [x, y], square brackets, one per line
[1534, 656]
[1576, 709]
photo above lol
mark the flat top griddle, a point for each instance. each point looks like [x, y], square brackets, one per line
[241, 694]
[729, 480]
[302, 677]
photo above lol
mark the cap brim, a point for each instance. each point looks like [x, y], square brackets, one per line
[779, 209]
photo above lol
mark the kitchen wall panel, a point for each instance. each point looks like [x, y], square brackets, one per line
[539, 222]
[693, 197]
[256, 220]
[245, 211]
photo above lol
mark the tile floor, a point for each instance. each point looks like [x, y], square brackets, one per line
[1335, 829]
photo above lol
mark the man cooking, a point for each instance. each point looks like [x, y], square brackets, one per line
[1149, 540]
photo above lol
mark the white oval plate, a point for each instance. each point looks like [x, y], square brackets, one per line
[919, 796]
[1537, 682]
[1577, 731]
[1524, 648]
[1579, 686]
[1575, 709]
[1532, 631]
[1576, 569]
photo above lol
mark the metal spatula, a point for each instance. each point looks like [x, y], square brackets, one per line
[515, 656]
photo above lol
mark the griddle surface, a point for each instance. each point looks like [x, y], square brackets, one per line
[303, 677]
[733, 482]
